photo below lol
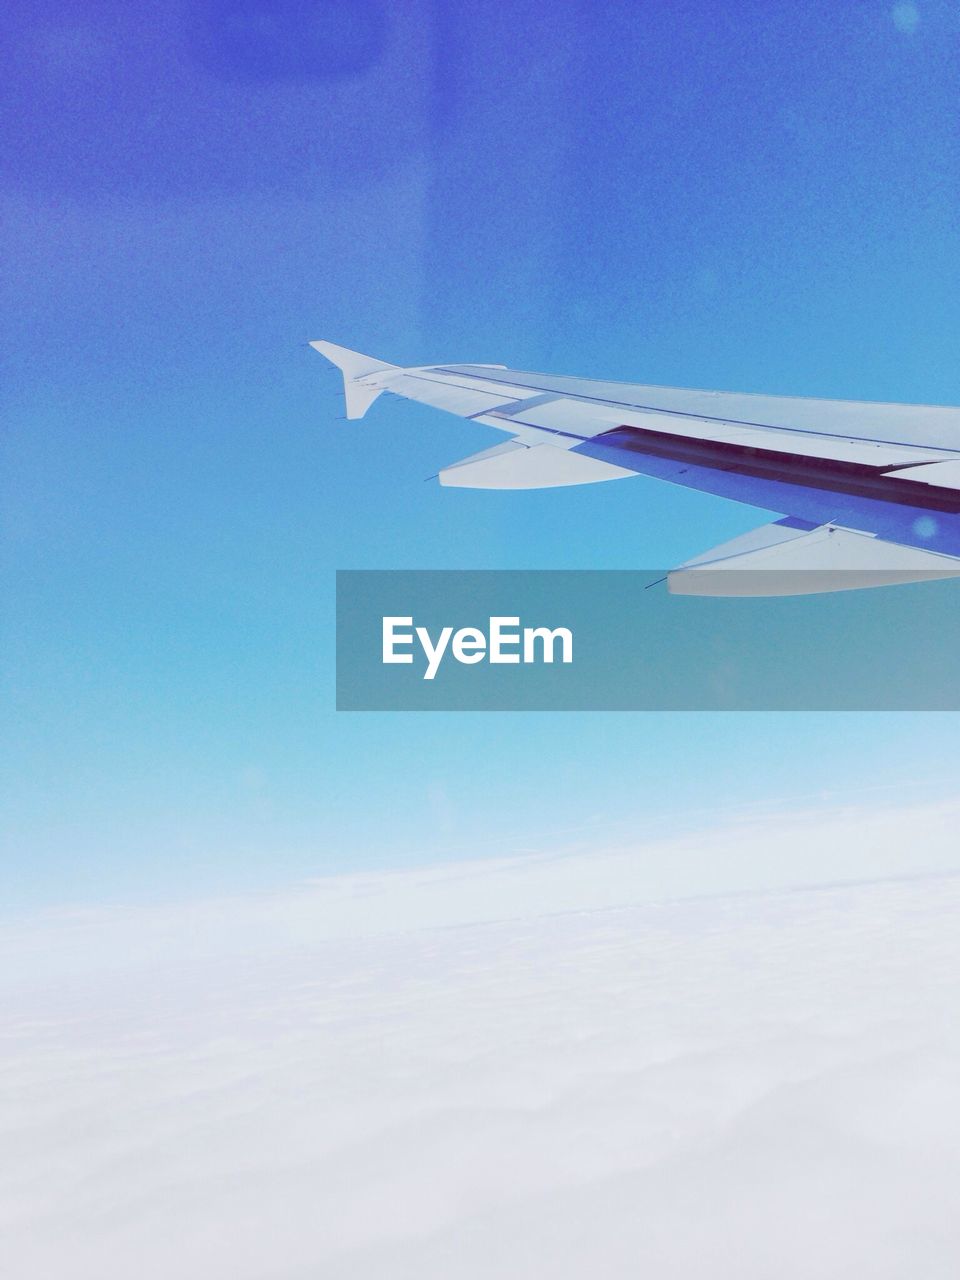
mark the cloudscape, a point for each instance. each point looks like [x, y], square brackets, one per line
[456, 1071]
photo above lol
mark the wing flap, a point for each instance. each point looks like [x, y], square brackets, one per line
[792, 558]
[515, 465]
[944, 475]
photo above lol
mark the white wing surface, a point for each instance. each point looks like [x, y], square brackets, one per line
[871, 491]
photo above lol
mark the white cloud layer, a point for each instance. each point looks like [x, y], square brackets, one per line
[377, 1076]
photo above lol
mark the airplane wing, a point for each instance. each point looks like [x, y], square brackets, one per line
[870, 491]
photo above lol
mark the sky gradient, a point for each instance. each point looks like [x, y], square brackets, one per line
[758, 198]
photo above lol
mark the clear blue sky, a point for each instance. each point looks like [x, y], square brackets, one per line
[756, 196]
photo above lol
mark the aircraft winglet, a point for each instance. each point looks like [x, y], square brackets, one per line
[354, 365]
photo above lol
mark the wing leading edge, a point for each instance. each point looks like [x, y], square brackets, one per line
[871, 491]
